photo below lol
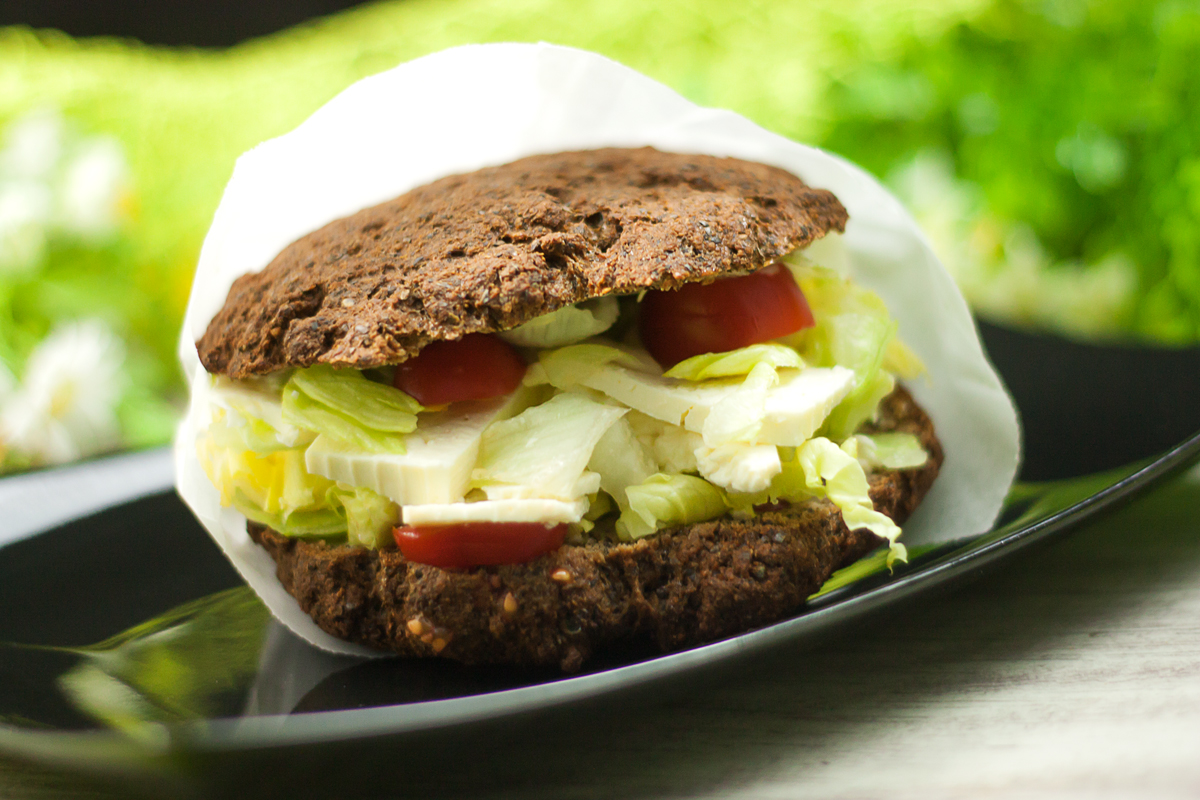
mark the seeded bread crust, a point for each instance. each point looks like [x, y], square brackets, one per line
[680, 588]
[492, 249]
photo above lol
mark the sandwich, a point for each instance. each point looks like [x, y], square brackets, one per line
[521, 414]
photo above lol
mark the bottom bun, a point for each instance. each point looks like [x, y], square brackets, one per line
[678, 588]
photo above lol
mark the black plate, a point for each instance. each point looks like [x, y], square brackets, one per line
[1087, 407]
[131, 620]
[129, 647]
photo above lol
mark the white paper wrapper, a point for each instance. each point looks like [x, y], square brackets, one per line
[482, 105]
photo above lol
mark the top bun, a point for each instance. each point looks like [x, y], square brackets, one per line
[492, 249]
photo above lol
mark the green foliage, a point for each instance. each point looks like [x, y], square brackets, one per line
[1080, 120]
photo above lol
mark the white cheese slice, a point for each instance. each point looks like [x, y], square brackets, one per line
[544, 510]
[588, 483]
[739, 467]
[439, 457]
[794, 409]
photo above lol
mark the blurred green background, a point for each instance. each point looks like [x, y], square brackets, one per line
[1050, 148]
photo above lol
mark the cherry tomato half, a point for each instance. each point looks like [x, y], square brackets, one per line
[477, 544]
[475, 367]
[723, 315]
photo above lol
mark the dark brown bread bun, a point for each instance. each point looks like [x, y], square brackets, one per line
[490, 250]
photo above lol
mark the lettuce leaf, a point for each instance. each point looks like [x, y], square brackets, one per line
[231, 429]
[546, 447]
[320, 524]
[621, 461]
[276, 490]
[252, 413]
[672, 447]
[853, 329]
[346, 392]
[350, 408]
[735, 362]
[273, 489]
[740, 467]
[893, 450]
[832, 472]
[819, 468]
[566, 325]
[858, 407]
[368, 517]
[902, 362]
[570, 366]
[668, 500]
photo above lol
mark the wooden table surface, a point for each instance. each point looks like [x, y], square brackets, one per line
[1072, 671]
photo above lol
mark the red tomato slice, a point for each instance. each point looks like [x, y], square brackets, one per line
[477, 544]
[723, 315]
[475, 367]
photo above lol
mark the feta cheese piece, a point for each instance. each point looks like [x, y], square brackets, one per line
[670, 445]
[549, 511]
[793, 411]
[439, 457]
[739, 467]
[796, 407]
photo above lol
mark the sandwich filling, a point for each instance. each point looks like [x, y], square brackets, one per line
[616, 417]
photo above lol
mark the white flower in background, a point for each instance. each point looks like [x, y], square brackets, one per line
[54, 182]
[33, 146]
[25, 210]
[93, 183]
[65, 407]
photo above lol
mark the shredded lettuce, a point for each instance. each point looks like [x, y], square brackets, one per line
[346, 406]
[579, 444]
[902, 362]
[735, 362]
[888, 450]
[832, 472]
[570, 366]
[622, 461]
[346, 392]
[275, 489]
[668, 500]
[546, 447]
[251, 411]
[369, 517]
[853, 329]
[566, 325]
[231, 429]
[320, 524]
